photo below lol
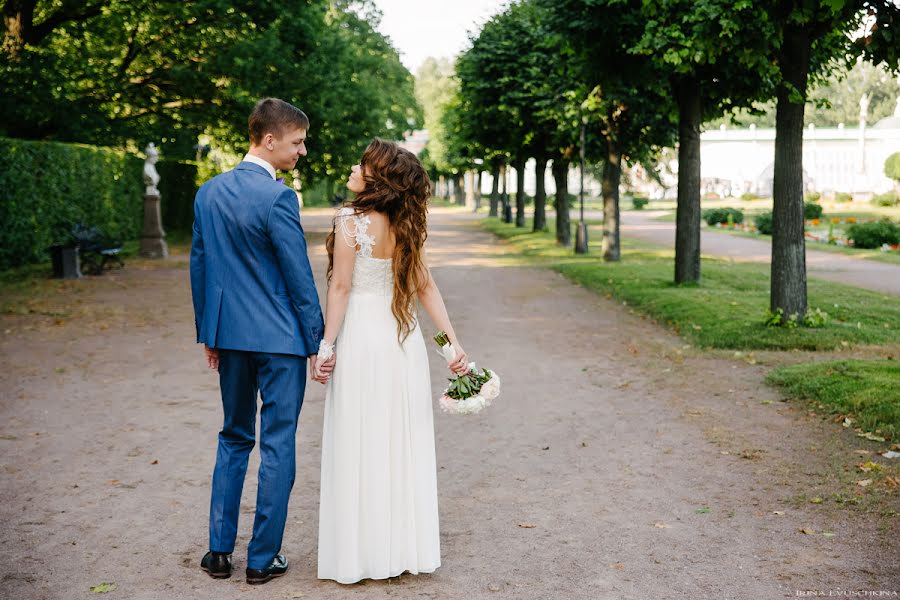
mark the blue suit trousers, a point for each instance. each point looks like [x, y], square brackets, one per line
[280, 380]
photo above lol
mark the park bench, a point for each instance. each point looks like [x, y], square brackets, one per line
[96, 250]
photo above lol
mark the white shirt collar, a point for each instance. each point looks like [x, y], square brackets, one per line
[261, 162]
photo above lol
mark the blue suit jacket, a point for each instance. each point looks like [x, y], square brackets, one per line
[252, 285]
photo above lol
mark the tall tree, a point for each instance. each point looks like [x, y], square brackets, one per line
[629, 116]
[812, 37]
[713, 56]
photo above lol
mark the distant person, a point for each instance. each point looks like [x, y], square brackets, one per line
[257, 312]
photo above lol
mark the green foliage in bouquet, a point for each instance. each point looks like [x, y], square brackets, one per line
[468, 385]
[463, 386]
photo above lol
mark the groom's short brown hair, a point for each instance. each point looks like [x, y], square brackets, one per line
[271, 115]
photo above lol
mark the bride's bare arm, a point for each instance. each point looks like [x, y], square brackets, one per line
[341, 278]
[433, 302]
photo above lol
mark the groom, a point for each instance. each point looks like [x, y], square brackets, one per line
[257, 312]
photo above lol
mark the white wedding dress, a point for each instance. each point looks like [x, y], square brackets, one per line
[378, 511]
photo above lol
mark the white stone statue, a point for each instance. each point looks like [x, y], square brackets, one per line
[151, 176]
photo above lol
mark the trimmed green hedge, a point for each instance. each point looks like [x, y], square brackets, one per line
[46, 187]
[177, 188]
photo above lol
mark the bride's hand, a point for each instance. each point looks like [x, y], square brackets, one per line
[460, 366]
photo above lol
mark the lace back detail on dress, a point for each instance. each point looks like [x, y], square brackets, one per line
[356, 231]
[370, 275]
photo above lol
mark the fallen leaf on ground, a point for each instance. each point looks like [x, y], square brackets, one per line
[816, 500]
[807, 531]
[527, 525]
[777, 512]
[827, 534]
[863, 482]
[703, 510]
[103, 588]
[863, 452]
[155, 462]
[871, 436]
[869, 466]
[662, 525]
[618, 566]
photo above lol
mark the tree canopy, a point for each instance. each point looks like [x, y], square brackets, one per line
[125, 72]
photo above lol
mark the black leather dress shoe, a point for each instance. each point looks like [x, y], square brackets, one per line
[276, 568]
[217, 564]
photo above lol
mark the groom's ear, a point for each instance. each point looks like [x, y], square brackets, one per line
[268, 141]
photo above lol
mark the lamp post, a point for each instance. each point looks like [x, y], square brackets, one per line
[581, 234]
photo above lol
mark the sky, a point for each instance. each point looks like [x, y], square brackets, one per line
[423, 28]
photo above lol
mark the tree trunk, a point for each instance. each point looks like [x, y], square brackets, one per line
[563, 226]
[459, 196]
[519, 166]
[470, 189]
[612, 175]
[687, 214]
[540, 194]
[495, 189]
[788, 284]
[478, 189]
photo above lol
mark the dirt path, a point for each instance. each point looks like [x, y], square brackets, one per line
[618, 464]
[870, 274]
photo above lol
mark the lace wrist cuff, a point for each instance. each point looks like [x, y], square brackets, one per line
[326, 351]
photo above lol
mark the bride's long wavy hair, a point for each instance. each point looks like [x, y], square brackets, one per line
[398, 187]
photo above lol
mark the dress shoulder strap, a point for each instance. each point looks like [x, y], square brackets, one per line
[355, 229]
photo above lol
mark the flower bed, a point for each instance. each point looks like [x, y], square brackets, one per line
[816, 230]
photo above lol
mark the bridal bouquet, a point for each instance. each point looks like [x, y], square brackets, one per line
[469, 393]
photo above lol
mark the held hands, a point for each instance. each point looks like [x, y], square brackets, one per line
[321, 370]
[322, 364]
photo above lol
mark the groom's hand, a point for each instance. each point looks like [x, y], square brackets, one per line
[313, 358]
[212, 357]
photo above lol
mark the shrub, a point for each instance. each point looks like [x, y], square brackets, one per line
[720, 215]
[873, 235]
[639, 202]
[888, 199]
[47, 187]
[177, 188]
[748, 196]
[843, 197]
[812, 196]
[892, 166]
[763, 222]
[811, 210]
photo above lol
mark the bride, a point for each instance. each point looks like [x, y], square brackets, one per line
[378, 510]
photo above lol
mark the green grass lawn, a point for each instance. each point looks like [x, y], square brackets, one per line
[866, 391]
[727, 310]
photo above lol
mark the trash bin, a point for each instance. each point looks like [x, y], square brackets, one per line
[66, 263]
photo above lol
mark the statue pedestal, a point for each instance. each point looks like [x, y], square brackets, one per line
[153, 238]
